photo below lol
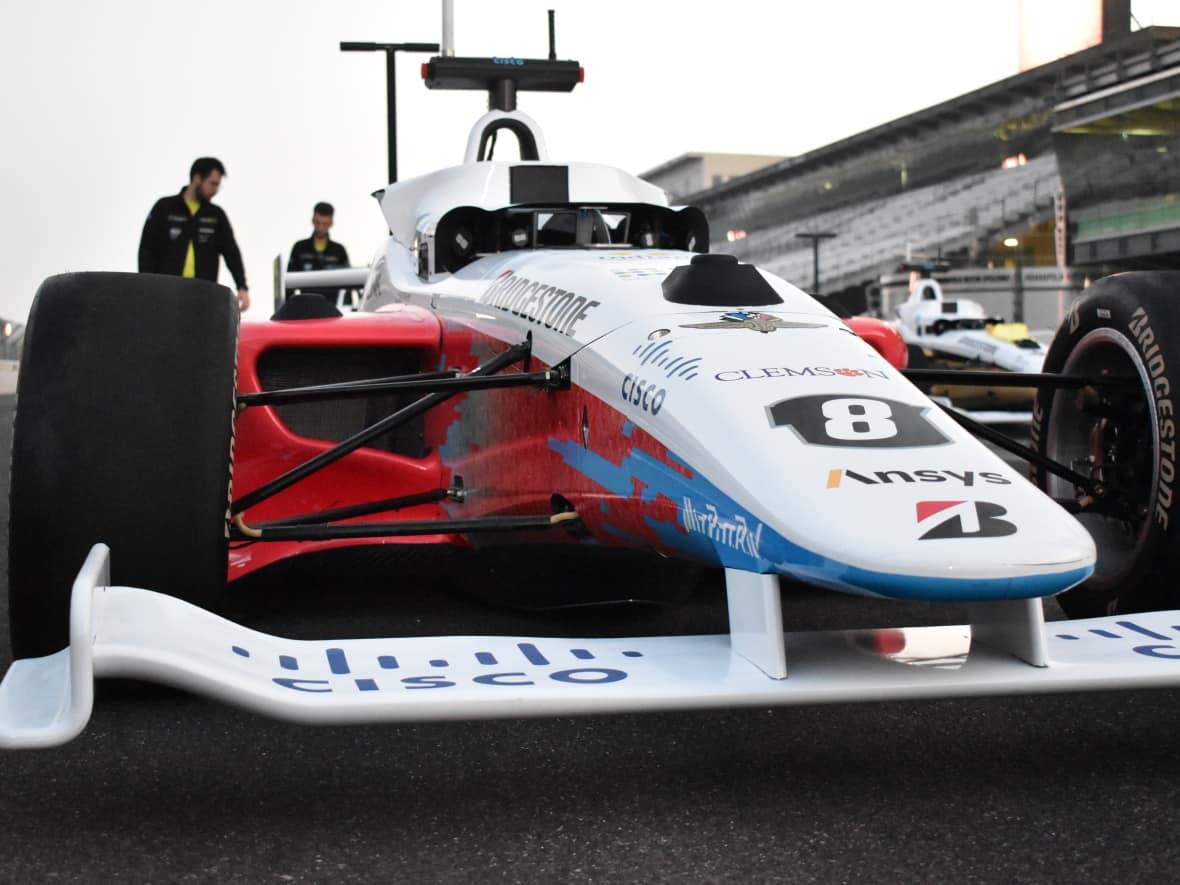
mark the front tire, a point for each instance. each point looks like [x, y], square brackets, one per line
[123, 434]
[1125, 438]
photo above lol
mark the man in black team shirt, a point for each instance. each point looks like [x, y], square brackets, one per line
[319, 251]
[185, 234]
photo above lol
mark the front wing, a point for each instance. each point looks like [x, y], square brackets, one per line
[128, 632]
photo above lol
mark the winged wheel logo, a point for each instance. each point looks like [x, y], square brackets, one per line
[758, 322]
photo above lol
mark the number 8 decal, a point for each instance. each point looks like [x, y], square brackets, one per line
[858, 419]
[856, 422]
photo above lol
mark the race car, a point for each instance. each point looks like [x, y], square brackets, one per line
[958, 333]
[548, 361]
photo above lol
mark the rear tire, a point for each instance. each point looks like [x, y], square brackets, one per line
[123, 435]
[1126, 324]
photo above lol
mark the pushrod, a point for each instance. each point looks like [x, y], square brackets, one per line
[397, 529]
[514, 354]
[355, 510]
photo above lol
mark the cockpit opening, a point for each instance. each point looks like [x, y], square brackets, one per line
[467, 232]
[578, 227]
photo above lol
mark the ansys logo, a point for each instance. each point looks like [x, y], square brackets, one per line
[963, 519]
[891, 477]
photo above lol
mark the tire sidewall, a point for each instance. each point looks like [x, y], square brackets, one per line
[1143, 310]
[122, 434]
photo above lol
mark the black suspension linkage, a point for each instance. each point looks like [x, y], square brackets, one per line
[1005, 442]
[517, 353]
[342, 389]
[434, 382]
[973, 377]
[386, 505]
[286, 532]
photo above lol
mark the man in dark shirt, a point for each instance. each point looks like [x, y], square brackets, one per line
[185, 235]
[319, 251]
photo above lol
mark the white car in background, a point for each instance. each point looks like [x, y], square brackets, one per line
[958, 333]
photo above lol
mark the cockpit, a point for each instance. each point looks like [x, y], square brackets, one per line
[584, 226]
[467, 232]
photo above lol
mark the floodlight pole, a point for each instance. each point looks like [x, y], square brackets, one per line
[815, 237]
[1018, 286]
[391, 50]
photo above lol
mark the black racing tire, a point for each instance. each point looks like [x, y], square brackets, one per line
[917, 358]
[1129, 325]
[123, 435]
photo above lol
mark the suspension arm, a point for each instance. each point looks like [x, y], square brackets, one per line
[386, 505]
[1022, 451]
[515, 354]
[433, 382]
[242, 532]
[973, 377]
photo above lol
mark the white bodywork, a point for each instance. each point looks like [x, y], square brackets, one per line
[812, 457]
[127, 632]
[928, 320]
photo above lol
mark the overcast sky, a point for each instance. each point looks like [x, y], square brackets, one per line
[105, 105]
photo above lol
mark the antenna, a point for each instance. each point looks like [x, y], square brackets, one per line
[448, 28]
[502, 76]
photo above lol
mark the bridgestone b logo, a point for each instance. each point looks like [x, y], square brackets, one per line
[964, 519]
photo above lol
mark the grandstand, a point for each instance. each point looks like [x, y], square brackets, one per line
[1075, 163]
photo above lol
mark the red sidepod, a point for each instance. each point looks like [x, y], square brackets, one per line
[266, 446]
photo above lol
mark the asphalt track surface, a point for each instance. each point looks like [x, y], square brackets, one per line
[173, 788]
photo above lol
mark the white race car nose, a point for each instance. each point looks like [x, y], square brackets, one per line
[808, 455]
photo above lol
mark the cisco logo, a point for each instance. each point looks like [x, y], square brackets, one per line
[525, 665]
[659, 356]
[1163, 649]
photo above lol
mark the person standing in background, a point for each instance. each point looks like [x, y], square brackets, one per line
[319, 251]
[186, 235]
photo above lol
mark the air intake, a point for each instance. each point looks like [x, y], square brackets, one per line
[714, 280]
